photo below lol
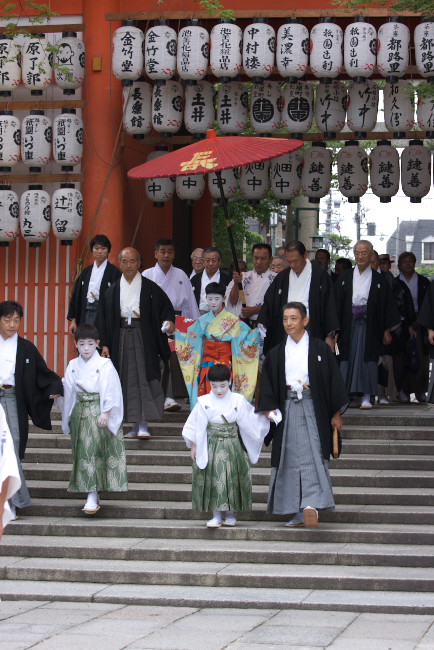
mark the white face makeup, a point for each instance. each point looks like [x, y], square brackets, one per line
[215, 302]
[219, 388]
[86, 348]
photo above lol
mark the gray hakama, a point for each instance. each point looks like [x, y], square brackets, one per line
[143, 399]
[302, 478]
[360, 376]
[20, 499]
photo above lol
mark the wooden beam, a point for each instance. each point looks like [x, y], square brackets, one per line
[336, 12]
[8, 105]
[45, 29]
[39, 179]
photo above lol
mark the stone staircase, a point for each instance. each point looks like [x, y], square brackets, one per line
[374, 553]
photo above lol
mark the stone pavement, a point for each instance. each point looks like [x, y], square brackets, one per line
[98, 626]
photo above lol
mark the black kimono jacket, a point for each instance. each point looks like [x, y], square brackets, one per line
[382, 314]
[77, 305]
[322, 309]
[425, 316]
[196, 283]
[155, 307]
[34, 383]
[327, 386]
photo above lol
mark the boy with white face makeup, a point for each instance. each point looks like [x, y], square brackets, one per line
[221, 467]
[92, 413]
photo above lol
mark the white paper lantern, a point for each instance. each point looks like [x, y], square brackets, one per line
[297, 111]
[292, 49]
[425, 115]
[68, 136]
[259, 46]
[384, 170]
[190, 188]
[232, 107]
[35, 215]
[10, 66]
[193, 51]
[255, 180]
[317, 172]
[266, 107]
[36, 139]
[10, 139]
[226, 50]
[286, 176]
[137, 113]
[424, 48]
[393, 52]
[326, 58]
[160, 51]
[167, 107]
[71, 57]
[67, 213]
[416, 170]
[362, 107]
[398, 107]
[352, 171]
[330, 107]
[229, 182]
[36, 64]
[360, 49]
[159, 190]
[127, 57]
[199, 113]
[9, 214]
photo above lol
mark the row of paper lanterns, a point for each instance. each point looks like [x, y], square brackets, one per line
[30, 64]
[310, 173]
[37, 138]
[359, 50]
[36, 214]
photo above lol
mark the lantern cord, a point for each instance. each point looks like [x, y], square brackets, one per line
[138, 223]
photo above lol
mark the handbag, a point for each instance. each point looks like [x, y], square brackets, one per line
[337, 443]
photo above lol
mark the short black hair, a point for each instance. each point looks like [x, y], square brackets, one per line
[102, 240]
[295, 246]
[219, 372]
[211, 249]
[323, 250]
[262, 247]
[345, 262]
[296, 305]
[86, 331]
[10, 307]
[215, 287]
[163, 241]
[404, 255]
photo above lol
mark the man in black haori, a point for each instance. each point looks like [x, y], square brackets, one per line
[426, 319]
[305, 282]
[132, 315]
[301, 381]
[367, 312]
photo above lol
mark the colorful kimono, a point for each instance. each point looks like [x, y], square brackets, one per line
[218, 339]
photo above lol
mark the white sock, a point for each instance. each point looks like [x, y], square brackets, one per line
[92, 500]
[230, 514]
[216, 514]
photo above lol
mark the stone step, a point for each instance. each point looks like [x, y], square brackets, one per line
[410, 432]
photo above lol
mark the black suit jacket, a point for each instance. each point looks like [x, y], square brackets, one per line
[77, 304]
[196, 282]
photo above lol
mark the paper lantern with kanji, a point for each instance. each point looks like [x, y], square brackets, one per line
[10, 140]
[393, 52]
[67, 213]
[226, 50]
[360, 49]
[36, 64]
[330, 107]
[167, 107]
[398, 107]
[384, 170]
[416, 170]
[229, 182]
[352, 171]
[292, 49]
[286, 176]
[190, 188]
[297, 108]
[326, 59]
[265, 107]
[425, 115]
[35, 215]
[199, 113]
[71, 58]
[193, 51]
[127, 57]
[137, 113]
[255, 180]
[424, 48]
[232, 107]
[362, 107]
[159, 190]
[36, 139]
[160, 51]
[9, 213]
[68, 136]
[317, 172]
[10, 66]
[259, 46]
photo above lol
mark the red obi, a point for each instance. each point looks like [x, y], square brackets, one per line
[213, 352]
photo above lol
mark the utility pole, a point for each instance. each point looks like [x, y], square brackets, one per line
[397, 240]
[357, 219]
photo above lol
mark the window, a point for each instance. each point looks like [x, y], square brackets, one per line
[428, 251]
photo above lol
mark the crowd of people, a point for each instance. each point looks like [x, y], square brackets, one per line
[274, 354]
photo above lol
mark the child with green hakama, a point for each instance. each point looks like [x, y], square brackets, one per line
[225, 435]
[92, 413]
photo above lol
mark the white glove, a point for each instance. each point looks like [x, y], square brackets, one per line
[165, 326]
[276, 416]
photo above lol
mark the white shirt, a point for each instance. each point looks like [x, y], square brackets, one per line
[255, 285]
[193, 273]
[299, 285]
[130, 297]
[361, 285]
[203, 305]
[412, 284]
[95, 281]
[8, 357]
[177, 286]
[296, 362]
